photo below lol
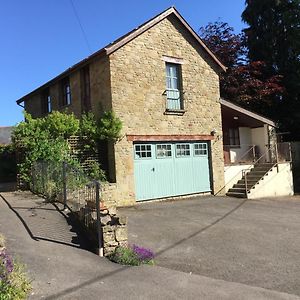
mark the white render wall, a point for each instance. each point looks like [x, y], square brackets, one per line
[259, 137]
[245, 144]
[275, 184]
[248, 137]
[233, 174]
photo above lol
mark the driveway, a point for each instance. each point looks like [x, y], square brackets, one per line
[254, 242]
[46, 241]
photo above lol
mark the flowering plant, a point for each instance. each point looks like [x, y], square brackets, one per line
[6, 265]
[14, 284]
[133, 255]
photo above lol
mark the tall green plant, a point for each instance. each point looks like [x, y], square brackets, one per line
[109, 127]
[43, 139]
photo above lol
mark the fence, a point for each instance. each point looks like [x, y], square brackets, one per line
[66, 184]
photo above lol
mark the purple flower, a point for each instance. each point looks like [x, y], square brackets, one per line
[6, 264]
[143, 254]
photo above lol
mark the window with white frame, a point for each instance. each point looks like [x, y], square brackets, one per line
[66, 89]
[163, 150]
[183, 150]
[173, 83]
[200, 149]
[142, 151]
[46, 102]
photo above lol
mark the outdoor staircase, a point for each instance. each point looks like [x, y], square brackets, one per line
[254, 176]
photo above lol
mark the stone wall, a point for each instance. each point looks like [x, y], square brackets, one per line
[114, 229]
[138, 81]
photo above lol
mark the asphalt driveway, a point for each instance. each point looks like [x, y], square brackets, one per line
[254, 242]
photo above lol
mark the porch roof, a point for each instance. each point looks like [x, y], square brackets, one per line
[242, 116]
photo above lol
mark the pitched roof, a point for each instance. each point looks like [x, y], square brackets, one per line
[114, 46]
[247, 112]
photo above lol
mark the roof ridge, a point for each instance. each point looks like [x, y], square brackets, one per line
[110, 48]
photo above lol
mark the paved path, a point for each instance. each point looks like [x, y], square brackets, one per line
[40, 235]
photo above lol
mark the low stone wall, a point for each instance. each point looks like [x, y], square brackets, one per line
[113, 226]
[114, 229]
[108, 194]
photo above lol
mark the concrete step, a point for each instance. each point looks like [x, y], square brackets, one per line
[253, 177]
[235, 189]
[236, 194]
[257, 172]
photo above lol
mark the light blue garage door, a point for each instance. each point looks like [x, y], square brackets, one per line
[171, 169]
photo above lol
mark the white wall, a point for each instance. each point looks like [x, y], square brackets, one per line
[275, 184]
[259, 137]
[245, 144]
[233, 174]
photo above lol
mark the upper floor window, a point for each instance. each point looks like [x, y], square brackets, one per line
[85, 90]
[173, 77]
[46, 102]
[67, 97]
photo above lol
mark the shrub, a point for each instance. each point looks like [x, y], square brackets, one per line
[14, 284]
[133, 256]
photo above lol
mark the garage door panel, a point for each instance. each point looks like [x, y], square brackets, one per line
[183, 166]
[170, 169]
[201, 175]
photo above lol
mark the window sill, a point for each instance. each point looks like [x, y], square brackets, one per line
[176, 112]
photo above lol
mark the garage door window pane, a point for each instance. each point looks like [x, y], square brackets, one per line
[200, 149]
[183, 150]
[163, 151]
[142, 151]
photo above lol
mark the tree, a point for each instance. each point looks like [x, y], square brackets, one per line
[273, 36]
[245, 83]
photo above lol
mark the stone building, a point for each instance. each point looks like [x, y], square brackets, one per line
[163, 83]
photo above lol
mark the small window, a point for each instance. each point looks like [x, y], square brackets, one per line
[183, 150]
[234, 137]
[142, 151]
[163, 151]
[173, 83]
[46, 102]
[85, 90]
[67, 97]
[200, 149]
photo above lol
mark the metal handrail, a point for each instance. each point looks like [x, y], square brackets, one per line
[251, 149]
[256, 162]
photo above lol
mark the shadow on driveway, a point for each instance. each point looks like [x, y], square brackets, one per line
[46, 221]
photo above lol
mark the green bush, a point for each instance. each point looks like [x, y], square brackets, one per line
[45, 139]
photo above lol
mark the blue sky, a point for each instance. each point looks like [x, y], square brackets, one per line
[41, 38]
